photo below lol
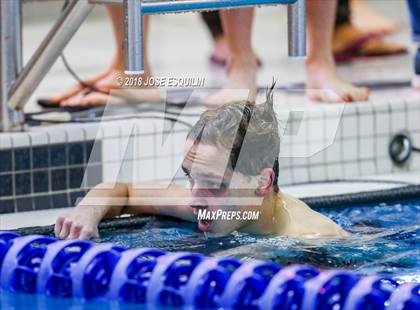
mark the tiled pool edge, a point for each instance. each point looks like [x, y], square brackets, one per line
[359, 147]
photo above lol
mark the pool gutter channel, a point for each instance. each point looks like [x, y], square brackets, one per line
[330, 201]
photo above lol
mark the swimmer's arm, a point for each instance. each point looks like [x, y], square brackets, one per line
[149, 199]
[110, 200]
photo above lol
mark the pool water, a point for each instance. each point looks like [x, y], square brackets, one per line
[384, 240]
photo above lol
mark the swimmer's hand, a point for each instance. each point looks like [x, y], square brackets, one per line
[82, 221]
[79, 223]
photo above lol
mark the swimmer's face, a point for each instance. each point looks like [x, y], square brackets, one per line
[214, 187]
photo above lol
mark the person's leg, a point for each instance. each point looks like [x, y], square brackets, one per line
[213, 22]
[114, 13]
[367, 19]
[349, 42]
[323, 82]
[414, 11]
[107, 79]
[242, 71]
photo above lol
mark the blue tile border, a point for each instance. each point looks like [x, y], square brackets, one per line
[59, 179]
[58, 155]
[22, 183]
[22, 159]
[47, 176]
[5, 160]
[6, 185]
[42, 202]
[41, 181]
[40, 157]
[24, 204]
[7, 206]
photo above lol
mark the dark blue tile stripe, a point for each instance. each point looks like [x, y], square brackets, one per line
[47, 176]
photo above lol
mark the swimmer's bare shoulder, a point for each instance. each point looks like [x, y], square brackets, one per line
[310, 224]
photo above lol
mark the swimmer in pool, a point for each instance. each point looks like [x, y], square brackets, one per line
[230, 159]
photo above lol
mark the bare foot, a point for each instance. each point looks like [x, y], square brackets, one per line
[324, 84]
[110, 92]
[241, 84]
[368, 20]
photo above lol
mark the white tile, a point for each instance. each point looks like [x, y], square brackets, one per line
[5, 141]
[285, 176]
[366, 125]
[147, 170]
[299, 151]
[318, 157]
[179, 138]
[349, 126]
[364, 109]
[333, 129]
[110, 172]
[367, 167]
[20, 140]
[284, 162]
[148, 146]
[398, 120]
[38, 138]
[91, 132]
[110, 130]
[128, 171]
[415, 137]
[297, 132]
[75, 134]
[164, 169]
[315, 148]
[384, 165]
[351, 170]
[164, 145]
[335, 171]
[413, 119]
[397, 105]
[285, 150]
[57, 136]
[366, 148]
[350, 110]
[111, 149]
[396, 169]
[350, 149]
[129, 128]
[414, 164]
[383, 123]
[316, 128]
[334, 152]
[300, 175]
[382, 144]
[381, 106]
[317, 173]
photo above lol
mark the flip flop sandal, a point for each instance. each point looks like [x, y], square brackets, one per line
[378, 53]
[47, 103]
[351, 50]
[175, 99]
